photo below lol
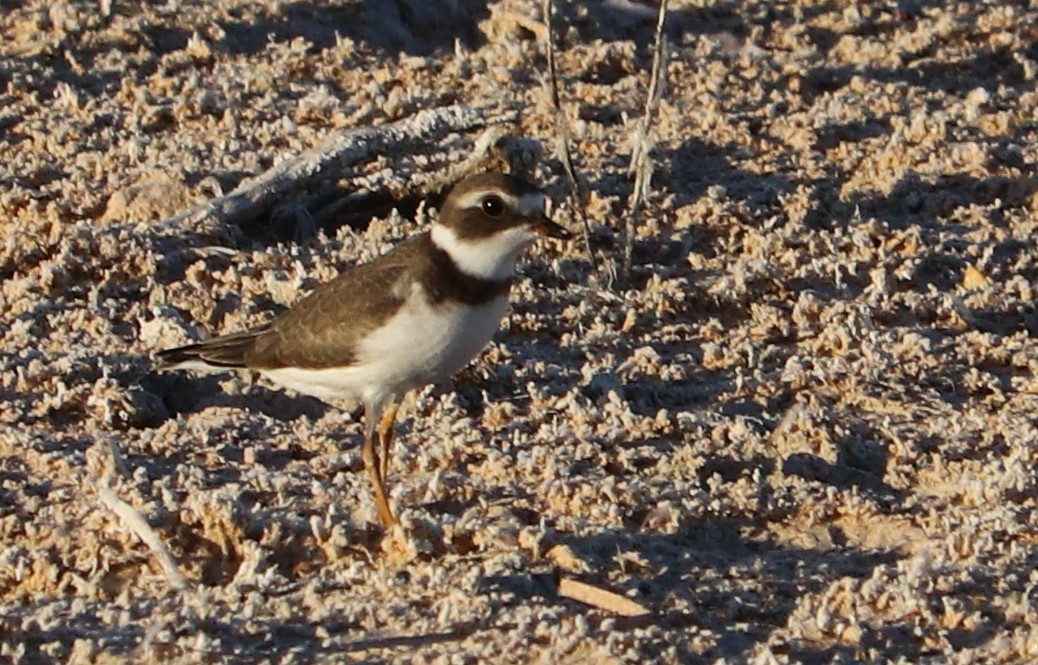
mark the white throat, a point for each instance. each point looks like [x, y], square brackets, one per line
[492, 258]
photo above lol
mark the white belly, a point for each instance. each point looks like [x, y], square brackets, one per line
[420, 344]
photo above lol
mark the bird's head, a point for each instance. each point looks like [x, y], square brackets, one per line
[488, 219]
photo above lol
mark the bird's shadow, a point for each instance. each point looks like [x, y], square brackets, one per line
[183, 393]
[707, 574]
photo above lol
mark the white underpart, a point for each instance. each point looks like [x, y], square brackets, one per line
[493, 257]
[197, 366]
[421, 344]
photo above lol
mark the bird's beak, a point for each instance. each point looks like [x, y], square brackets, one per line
[545, 227]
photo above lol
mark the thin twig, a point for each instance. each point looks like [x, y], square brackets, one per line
[562, 147]
[641, 162]
[600, 598]
[136, 523]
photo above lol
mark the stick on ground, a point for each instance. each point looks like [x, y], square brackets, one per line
[258, 196]
[136, 523]
[600, 598]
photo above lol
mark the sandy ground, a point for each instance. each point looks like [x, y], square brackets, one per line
[804, 430]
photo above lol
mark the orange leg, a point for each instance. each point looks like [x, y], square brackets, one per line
[385, 437]
[371, 465]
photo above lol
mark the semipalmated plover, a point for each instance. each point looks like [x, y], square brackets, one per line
[411, 317]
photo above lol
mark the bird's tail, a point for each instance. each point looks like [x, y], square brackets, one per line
[227, 352]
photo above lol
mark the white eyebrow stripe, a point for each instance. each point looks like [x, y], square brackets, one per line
[526, 205]
[475, 197]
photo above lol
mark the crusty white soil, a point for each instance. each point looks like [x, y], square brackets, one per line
[803, 430]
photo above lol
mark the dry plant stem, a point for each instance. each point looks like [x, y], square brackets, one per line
[259, 195]
[424, 183]
[600, 598]
[562, 147]
[136, 523]
[641, 164]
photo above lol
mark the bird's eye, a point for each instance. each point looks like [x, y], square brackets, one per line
[493, 206]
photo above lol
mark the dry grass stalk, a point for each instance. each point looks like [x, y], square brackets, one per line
[136, 523]
[644, 139]
[596, 597]
[562, 147]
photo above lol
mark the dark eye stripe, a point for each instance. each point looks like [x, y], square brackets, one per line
[475, 224]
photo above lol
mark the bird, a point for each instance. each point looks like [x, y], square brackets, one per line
[409, 318]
